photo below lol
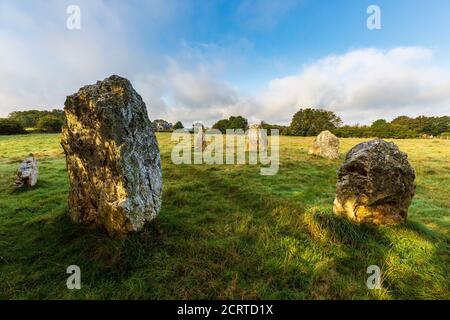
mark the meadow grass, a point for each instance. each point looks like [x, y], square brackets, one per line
[226, 232]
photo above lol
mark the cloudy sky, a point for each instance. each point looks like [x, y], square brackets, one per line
[206, 60]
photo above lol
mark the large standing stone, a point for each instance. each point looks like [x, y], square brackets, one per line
[375, 184]
[113, 158]
[325, 145]
[27, 175]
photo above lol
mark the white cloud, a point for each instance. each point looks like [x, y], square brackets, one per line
[41, 62]
[190, 93]
[363, 85]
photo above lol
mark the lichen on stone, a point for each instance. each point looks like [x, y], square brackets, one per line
[325, 145]
[112, 156]
[375, 184]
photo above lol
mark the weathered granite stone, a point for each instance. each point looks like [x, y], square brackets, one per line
[375, 184]
[256, 139]
[112, 156]
[200, 141]
[325, 145]
[27, 175]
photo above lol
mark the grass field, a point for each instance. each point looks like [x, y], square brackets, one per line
[226, 232]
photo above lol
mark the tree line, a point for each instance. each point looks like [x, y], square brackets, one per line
[310, 122]
[402, 127]
[306, 122]
[22, 122]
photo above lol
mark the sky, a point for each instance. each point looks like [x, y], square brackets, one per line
[205, 60]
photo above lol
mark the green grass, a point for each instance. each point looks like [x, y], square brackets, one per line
[226, 232]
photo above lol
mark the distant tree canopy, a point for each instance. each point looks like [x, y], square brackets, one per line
[310, 122]
[306, 122]
[50, 123]
[402, 127]
[356, 131]
[178, 125]
[432, 126]
[8, 127]
[283, 130]
[231, 123]
[162, 125]
[383, 129]
[30, 118]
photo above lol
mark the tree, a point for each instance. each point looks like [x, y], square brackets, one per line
[237, 123]
[27, 119]
[403, 120]
[436, 125]
[9, 127]
[310, 122]
[162, 125]
[30, 118]
[50, 123]
[283, 130]
[178, 125]
[380, 128]
[221, 125]
[431, 126]
[356, 131]
[231, 123]
[383, 129]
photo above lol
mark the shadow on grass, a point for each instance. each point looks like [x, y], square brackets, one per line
[186, 252]
[378, 245]
[41, 184]
[52, 243]
[211, 240]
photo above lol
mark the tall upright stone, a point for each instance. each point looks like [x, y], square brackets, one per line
[199, 137]
[113, 158]
[375, 184]
[325, 145]
[256, 139]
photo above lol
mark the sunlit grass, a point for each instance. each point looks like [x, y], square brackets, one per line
[226, 232]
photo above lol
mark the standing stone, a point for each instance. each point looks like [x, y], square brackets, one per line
[325, 145]
[27, 175]
[200, 142]
[112, 156]
[256, 139]
[375, 184]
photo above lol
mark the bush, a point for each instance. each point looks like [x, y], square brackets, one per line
[30, 118]
[161, 125]
[352, 132]
[50, 123]
[231, 123]
[178, 125]
[310, 122]
[9, 127]
[430, 126]
[282, 130]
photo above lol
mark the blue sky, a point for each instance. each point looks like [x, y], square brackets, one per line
[299, 32]
[205, 60]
